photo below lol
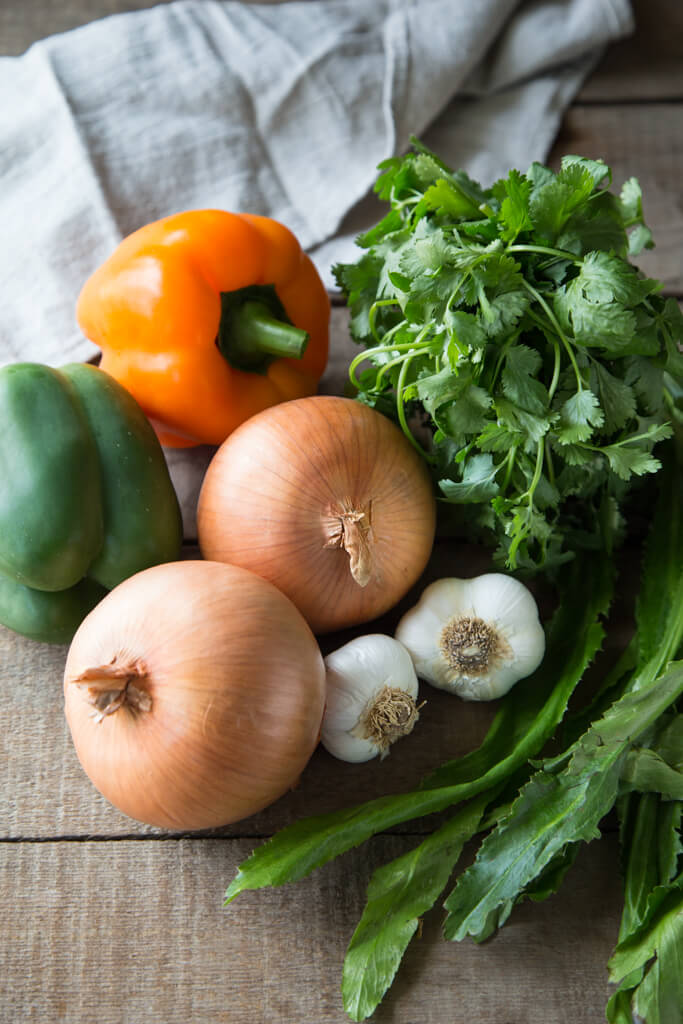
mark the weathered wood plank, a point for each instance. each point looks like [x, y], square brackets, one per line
[124, 932]
[646, 66]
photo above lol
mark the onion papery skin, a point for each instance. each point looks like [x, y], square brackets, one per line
[277, 483]
[235, 683]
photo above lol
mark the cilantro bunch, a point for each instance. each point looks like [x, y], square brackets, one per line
[529, 362]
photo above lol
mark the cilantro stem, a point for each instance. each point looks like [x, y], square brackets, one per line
[400, 409]
[549, 460]
[556, 370]
[546, 250]
[647, 436]
[369, 352]
[523, 531]
[538, 469]
[499, 362]
[372, 316]
[413, 347]
[557, 329]
[509, 463]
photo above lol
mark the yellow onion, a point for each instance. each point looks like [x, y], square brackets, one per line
[328, 500]
[194, 693]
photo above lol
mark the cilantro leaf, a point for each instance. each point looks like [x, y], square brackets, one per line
[617, 397]
[604, 277]
[444, 197]
[519, 380]
[631, 200]
[514, 208]
[597, 169]
[595, 226]
[553, 200]
[579, 416]
[478, 481]
[468, 414]
[627, 462]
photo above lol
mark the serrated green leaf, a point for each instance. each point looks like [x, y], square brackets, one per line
[554, 200]
[468, 413]
[606, 325]
[519, 420]
[604, 277]
[546, 816]
[519, 380]
[398, 895]
[579, 416]
[598, 170]
[497, 437]
[466, 332]
[444, 197]
[478, 481]
[647, 381]
[438, 388]
[514, 209]
[645, 771]
[631, 198]
[617, 398]
[560, 807]
[427, 250]
[596, 225]
[639, 238]
[628, 461]
[501, 313]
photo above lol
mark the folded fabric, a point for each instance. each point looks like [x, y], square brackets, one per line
[280, 109]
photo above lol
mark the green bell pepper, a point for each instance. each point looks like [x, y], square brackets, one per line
[86, 499]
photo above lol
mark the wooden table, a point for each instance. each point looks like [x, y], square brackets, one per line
[105, 920]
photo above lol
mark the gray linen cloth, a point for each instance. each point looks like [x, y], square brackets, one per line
[279, 109]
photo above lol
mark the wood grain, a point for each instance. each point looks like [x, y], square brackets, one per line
[648, 65]
[126, 932]
[108, 920]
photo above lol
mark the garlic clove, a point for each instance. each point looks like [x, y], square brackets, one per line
[475, 638]
[505, 599]
[343, 745]
[371, 697]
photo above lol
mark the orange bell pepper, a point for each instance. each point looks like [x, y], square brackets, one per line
[207, 317]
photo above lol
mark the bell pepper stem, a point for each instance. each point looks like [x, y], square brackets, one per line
[254, 329]
[256, 332]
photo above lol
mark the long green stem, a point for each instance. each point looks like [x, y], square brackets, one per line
[556, 370]
[546, 250]
[557, 329]
[549, 460]
[509, 463]
[413, 347]
[400, 409]
[368, 353]
[372, 316]
[538, 469]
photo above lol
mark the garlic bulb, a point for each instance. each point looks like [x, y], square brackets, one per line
[370, 702]
[474, 637]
